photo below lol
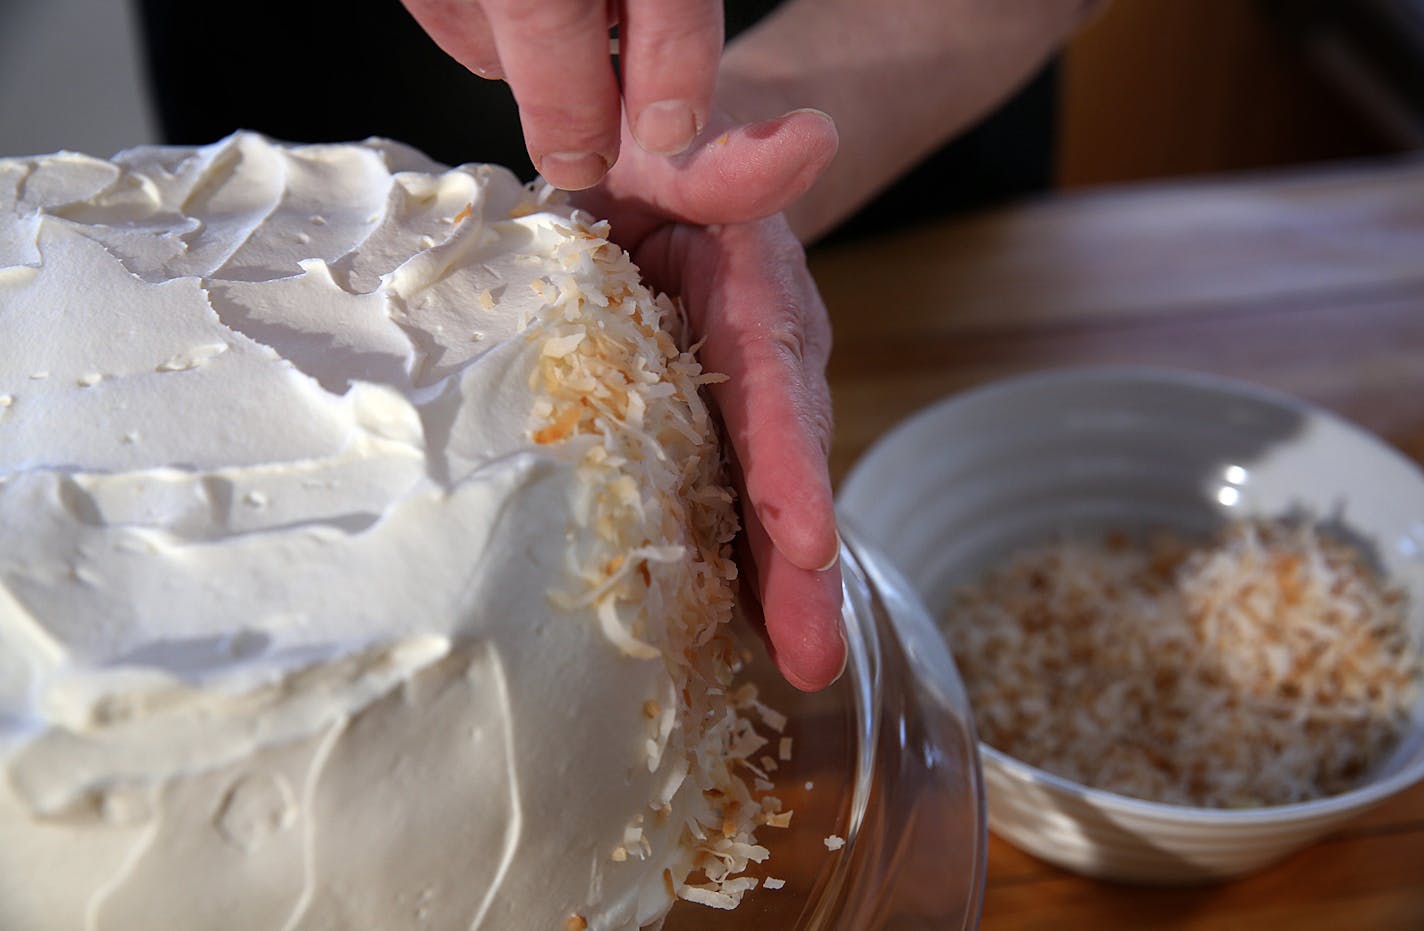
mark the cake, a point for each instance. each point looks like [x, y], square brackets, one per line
[364, 555]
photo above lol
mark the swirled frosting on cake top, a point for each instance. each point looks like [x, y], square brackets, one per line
[363, 555]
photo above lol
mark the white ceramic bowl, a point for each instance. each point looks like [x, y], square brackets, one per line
[956, 487]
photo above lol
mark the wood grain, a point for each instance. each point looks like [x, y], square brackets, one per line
[1309, 281]
[1160, 88]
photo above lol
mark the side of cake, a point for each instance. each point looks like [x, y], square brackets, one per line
[364, 555]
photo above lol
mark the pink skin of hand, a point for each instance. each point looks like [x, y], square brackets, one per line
[555, 56]
[704, 225]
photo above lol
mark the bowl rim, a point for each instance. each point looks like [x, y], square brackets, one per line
[1368, 793]
[1130, 374]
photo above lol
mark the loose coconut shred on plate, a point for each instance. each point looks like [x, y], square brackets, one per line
[1267, 667]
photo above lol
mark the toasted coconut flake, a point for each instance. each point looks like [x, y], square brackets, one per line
[561, 429]
[614, 629]
[712, 896]
[559, 346]
[784, 749]
[654, 560]
[1267, 667]
[772, 883]
[780, 819]
[834, 843]
[770, 717]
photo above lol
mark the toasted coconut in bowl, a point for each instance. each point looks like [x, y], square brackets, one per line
[1188, 611]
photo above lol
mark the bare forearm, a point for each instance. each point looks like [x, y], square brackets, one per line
[899, 77]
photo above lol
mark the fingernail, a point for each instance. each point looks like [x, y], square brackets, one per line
[835, 557]
[573, 171]
[666, 127]
[845, 656]
[490, 72]
[814, 112]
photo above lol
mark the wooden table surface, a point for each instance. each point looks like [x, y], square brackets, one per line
[1311, 281]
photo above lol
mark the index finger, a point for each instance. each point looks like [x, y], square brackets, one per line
[555, 57]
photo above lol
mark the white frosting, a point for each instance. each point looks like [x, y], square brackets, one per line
[328, 599]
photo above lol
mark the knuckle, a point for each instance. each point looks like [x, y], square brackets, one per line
[682, 45]
[561, 18]
[782, 336]
[701, 26]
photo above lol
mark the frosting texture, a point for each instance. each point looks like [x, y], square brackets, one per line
[363, 555]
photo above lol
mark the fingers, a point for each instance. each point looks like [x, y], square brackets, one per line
[766, 330]
[752, 301]
[802, 613]
[756, 170]
[735, 175]
[555, 57]
[461, 30]
[669, 50]
[554, 54]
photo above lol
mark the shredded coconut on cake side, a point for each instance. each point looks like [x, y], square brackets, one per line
[661, 578]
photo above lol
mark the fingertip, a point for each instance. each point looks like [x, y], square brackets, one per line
[758, 169]
[817, 122]
[802, 611]
[667, 127]
[812, 672]
[573, 171]
[810, 133]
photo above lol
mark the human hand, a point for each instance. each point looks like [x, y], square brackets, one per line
[555, 56]
[698, 226]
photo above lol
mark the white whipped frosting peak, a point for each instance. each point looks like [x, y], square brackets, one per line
[288, 568]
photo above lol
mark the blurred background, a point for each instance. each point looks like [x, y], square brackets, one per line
[1155, 88]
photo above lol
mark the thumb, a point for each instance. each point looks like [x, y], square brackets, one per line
[733, 173]
[752, 171]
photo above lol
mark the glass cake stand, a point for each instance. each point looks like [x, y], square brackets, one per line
[885, 759]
